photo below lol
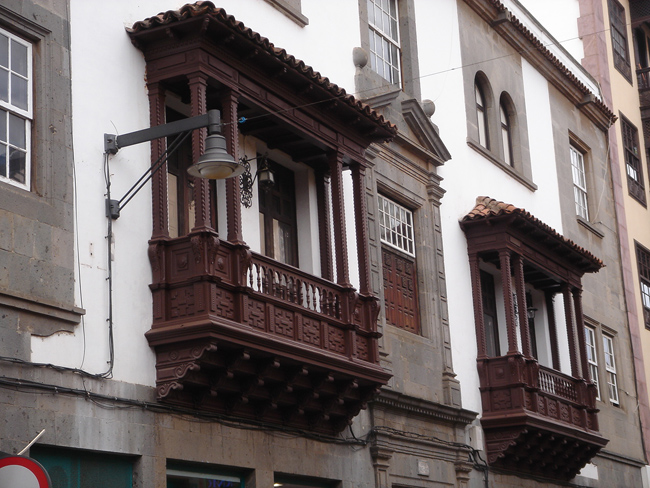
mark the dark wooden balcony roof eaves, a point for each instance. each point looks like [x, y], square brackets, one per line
[489, 212]
[218, 24]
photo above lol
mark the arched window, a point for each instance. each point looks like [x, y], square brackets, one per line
[506, 134]
[481, 115]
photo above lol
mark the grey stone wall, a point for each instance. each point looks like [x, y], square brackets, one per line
[36, 226]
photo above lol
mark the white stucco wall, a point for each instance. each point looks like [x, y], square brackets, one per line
[109, 96]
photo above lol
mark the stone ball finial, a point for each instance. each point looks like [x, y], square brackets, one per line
[359, 57]
[429, 108]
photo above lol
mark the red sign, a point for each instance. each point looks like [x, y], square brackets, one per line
[23, 472]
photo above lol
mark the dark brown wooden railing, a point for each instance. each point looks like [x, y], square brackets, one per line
[558, 384]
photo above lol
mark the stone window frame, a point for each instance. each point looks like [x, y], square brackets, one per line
[481, 115]
[292, 9]
[519, 166]
[509, 130]
[619, 39]
[373, 82]
[14, 112]
[390, 195]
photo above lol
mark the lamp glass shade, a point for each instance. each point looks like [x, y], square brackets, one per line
[216, 163]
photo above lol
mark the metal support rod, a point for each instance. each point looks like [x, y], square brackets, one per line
[211, 120]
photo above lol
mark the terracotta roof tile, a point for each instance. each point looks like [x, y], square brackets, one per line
[487, 208]
[218, 14]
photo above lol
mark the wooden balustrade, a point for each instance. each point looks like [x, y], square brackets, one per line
[558, 384]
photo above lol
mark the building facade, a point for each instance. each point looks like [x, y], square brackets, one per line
[410, 286]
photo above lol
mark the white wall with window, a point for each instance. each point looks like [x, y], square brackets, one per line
[15, 109]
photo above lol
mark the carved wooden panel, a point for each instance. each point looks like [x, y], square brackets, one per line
[256, 314]
[336, 340]
[311, 331]
[400, 291]
[362, 347]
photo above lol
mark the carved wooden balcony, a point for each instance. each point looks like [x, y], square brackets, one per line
[241, 334]
[536, 419]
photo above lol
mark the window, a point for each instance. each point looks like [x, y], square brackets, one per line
[15, 109]
[618, 30]
[481, 116]
[610, 367]
[278, 226]
[396, 226]
[399, 268]
[490, 314]
[384, 39]
[632, 163]
[70, 468]
[506, 135]
[643, 263]
[579, 182]
[590, 342]
[182, 478]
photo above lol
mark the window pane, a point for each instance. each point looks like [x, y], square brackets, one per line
[4, 51]
[3, 126]
[17, 165]
[3, 160]
[17, 131]
[4, 85]
[19, 91]
[19, 58]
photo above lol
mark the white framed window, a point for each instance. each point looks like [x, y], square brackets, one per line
[610, 367]
[384, 39]
[590, 342]
[15, 109]
[396, 226]
[481, 116]
[506, 135]
[579, 182]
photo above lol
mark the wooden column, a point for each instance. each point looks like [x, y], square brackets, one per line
[324, 225]
[230, 131]
[552, 330]
[571, 331]
[198, 86]
[580, 325]
[477, 293]
[340, 239]
[518, 266]
[159, 181]
[506, 278]
[361, 226]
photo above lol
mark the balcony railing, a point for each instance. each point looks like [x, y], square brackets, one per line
[557, 384]
[643, 78]
[257, 338]
[543, 411]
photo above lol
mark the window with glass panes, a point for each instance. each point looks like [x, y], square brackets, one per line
[590, 342]
[618, 31]
[506, 135]
[481, 116]
[15, 109]
[384, 39]
[610, 368]
[579, 182]
[632, 162]
[399, 266]
[643, 263]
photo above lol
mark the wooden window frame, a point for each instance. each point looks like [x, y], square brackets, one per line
[610, 368]
[592, 357]
[389, 59]
[619, 38]
[579, 173]
[633, 167]
[284, 189]
[13, 115]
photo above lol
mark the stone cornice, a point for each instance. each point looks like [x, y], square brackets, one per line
[423, 408]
